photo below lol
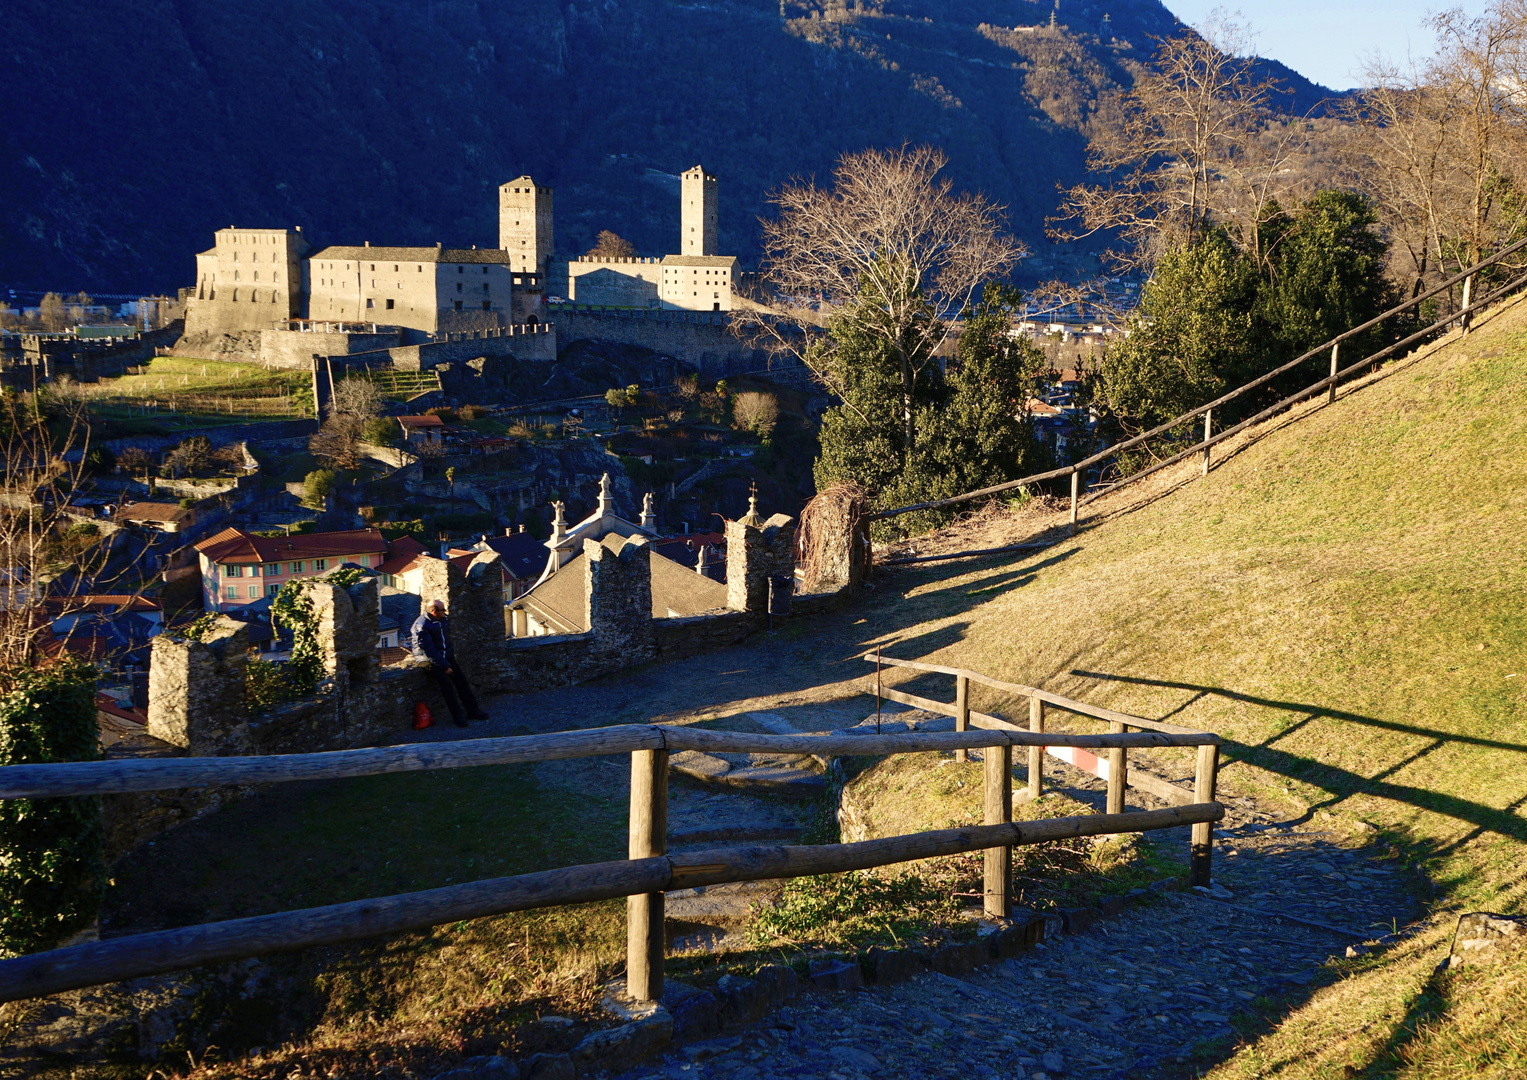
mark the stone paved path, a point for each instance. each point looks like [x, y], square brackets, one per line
[1129, 998]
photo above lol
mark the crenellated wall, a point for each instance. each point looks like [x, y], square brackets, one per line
[197, 697]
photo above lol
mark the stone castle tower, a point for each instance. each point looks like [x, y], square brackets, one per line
[697, 213]
[524, 225]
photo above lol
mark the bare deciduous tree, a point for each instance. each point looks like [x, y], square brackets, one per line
[609, 245]
[1187, 148]
[355, 401]
[756, 411]
[890, 250]
[1446, 141]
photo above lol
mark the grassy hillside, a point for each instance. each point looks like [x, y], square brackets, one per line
[1342, 599]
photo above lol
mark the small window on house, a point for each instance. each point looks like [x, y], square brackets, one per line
[231, 592]
[389, 303]
[296, 567]
[272, 569]
[320, 565]
[233, 571]
[272, 590]
[254, 592]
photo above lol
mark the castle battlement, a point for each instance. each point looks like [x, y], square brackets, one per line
[613, 259]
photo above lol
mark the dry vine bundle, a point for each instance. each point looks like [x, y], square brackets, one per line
[831, 545]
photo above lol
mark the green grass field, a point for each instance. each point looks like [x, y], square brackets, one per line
[1343, 600]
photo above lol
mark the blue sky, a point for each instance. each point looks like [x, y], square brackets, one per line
[1328, 41]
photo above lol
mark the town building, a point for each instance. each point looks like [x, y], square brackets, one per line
[250, 279]
[522, 556]
[239, 568]
[155, 516]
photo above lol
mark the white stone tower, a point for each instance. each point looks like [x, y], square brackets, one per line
[697, 213]
[524, 225]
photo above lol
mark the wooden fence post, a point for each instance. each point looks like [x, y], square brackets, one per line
[1331, 393]
[999, 811]
[1208, 423]
[1036, 753]
[962, 713]
[648, 837]
[1201, 854]
[1074, 482]
[1118, 765]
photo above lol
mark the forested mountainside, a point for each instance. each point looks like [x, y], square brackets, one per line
[133, 131]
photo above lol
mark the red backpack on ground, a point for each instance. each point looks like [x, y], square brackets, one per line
[422, 718]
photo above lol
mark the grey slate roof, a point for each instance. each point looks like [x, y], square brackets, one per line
[558, 602]
[414, 254]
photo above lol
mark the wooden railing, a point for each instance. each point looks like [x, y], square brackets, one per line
[1205, 445]
[643, 877]
[1114, 769]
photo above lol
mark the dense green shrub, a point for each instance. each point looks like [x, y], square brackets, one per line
[52, 868]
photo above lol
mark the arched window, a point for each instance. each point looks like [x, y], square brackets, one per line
[235, 294]
[275, 296]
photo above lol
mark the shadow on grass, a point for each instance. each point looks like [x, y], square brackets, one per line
[1341, 784]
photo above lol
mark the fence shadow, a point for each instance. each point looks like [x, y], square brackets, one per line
[1341, 784]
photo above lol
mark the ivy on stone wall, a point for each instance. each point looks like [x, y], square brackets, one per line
[52, 864]
[293, 610]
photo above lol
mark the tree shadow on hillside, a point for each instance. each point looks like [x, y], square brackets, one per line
[1341, 784]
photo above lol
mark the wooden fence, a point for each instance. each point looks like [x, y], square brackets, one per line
[643, 877]
[1210, 438]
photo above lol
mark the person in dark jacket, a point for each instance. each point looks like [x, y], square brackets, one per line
[432, 642]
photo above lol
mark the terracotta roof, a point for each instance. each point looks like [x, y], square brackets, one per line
[421, 421]
[236, 545]
[415, 254]
[123, 601]
[403, 553]
[150, 511]
[107, 705]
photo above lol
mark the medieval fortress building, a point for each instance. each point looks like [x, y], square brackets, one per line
[264, 294]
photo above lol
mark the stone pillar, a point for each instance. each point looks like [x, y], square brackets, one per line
[474, 600]
[196, 690]
[349, 623]
[617, 589]
[752, 555]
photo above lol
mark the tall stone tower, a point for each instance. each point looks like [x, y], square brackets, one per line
[524, 225]
[697, 214]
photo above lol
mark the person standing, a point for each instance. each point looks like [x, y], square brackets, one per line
[432, 642]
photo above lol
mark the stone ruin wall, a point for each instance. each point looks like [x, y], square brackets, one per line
[197, 698]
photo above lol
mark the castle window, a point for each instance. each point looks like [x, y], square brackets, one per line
[275, 296]
[458, 286]
[458, 305]
[257, 275]
[485, 271]
[276, 276]
[485, 286]
[235, 275]
[373, 268]
[389, 303]
[370, 302]
[461, 269]
[235, 294]
[487, 305]
[394, 268]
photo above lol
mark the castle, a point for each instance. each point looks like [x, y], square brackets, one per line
[696, 279]
[270, 280]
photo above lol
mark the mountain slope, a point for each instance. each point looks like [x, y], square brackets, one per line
[147, 125]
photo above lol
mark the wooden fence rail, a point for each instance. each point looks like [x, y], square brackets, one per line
[642, 878]
[1114, 768]
[1203, 446]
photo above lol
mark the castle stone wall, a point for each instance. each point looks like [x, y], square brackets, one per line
[702, 338]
